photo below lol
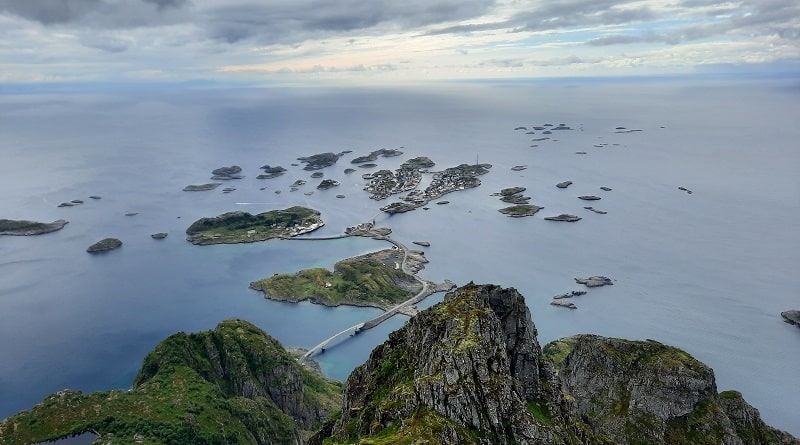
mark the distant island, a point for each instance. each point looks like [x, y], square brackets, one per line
[374, 279]
[242, 227]
[520, 210]
[201, 187]
[28, 228]
[318, 161]
[447, 181]
[385, 152]
[105, 245]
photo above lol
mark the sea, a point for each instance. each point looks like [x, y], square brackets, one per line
[708, 271]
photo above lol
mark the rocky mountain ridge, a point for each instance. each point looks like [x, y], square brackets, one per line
[469, 370]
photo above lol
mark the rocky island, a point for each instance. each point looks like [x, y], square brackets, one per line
[791, 317]
[520, 210]
[327, 183]
[564, 217]
[105, 245]
[319, 161]
[374, 279]
[513, 195]
[447, 181]
[469, 370]
[595, 281]
[242, 227]
[271, 172]
[384, 183]
[226, 173]
[202, 187]
[384, 152]
[418, 163]
[28, 228]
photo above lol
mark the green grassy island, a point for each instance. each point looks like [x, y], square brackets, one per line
[242, 227]
[373, 279]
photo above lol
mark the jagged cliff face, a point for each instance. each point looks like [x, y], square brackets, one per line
[470, 370]
[642, 392]
[244, 362]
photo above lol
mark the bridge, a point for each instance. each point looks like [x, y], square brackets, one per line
[428, 288]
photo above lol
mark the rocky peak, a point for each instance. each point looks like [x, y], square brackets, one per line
[470, 371]
[242, 361]
[449, 376]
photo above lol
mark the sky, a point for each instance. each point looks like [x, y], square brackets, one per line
[389, 40]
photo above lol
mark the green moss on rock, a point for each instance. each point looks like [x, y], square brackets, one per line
[234, 384]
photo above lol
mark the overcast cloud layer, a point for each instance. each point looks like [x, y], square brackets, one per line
[382, 40]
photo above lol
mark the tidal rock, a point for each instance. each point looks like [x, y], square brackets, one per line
[595, 281]
[347, 171]
[562, 303]
[104, 245]
[575, 293]
[589, 198]
[270, 175]
[442, 202]
[684, 189]
[606, 189]
[566, 217]
[421, 243]
[317, 175]
[272, 170]
[563, 185]
[340, 196]
[518, 168]
[159, 235]
[791, 317]
[327, 183]
[95, 197]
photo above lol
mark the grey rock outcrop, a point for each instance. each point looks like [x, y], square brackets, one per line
[595, 281]
[791, 317]
[105, 245]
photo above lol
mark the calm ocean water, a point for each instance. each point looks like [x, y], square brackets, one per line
[708, 272]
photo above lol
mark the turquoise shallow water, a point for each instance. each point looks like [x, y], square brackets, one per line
[708, 272]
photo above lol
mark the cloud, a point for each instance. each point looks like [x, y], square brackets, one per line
[49, 11]
[97, 13]
[762, 18]
[286, 21]
[164, 4]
